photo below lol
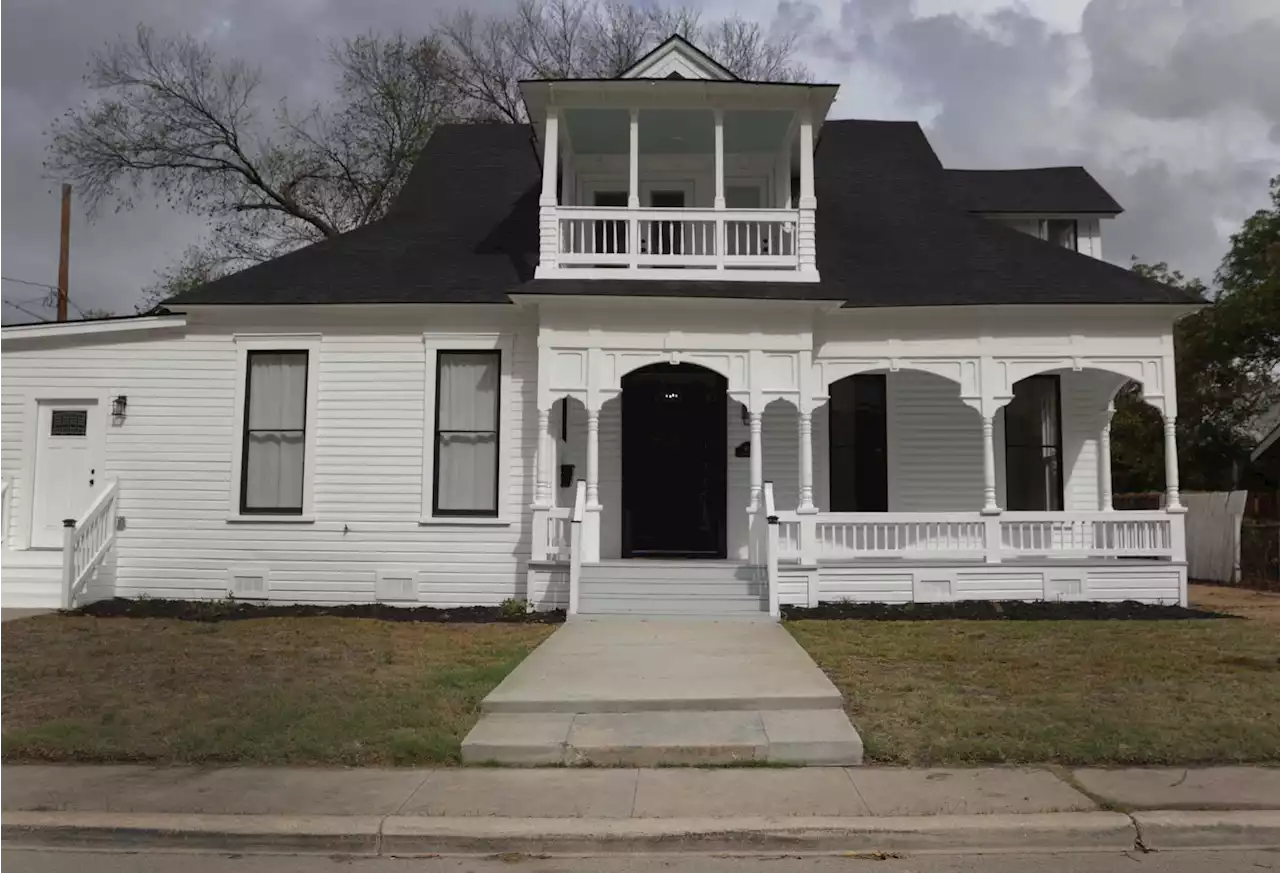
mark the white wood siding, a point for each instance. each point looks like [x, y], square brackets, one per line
[173, 455]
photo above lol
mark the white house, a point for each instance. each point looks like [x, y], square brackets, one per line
[587, 361]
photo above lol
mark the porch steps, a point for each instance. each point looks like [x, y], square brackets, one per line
[656, 588]
[31, 578]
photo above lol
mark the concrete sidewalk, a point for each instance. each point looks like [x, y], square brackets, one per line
[586, 810]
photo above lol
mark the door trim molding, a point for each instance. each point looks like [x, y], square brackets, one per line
[24, 509]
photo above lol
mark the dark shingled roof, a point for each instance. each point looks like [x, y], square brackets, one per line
[890, 233]
[1045, 189]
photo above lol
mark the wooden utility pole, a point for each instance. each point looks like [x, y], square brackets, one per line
[64, 252]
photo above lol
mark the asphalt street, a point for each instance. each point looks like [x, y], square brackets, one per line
[63, 861]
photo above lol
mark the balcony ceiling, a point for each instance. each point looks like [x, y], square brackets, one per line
[676, 131]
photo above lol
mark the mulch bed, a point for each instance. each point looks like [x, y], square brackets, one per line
[997, 610]
[221, 610]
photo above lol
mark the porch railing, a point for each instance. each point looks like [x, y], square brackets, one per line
[836, 536]
[86, 542]
[1084, 534]
[552, 535]
[716, 238]
[575, 547]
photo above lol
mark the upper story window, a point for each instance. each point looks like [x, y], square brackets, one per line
[1063, 232]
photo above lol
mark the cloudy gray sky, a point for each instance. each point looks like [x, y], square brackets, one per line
[1173, 104]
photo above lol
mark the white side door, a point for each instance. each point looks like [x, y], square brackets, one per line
[66, 470]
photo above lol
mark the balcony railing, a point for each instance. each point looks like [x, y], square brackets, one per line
[708, 238]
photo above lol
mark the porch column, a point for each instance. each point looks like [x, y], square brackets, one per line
[593, 458]
[989, 505]
[719, 116]
[542, 480]
[757, 460]
[633, 189]
[782, 181]
[548, 225]
[591, 517]
[806, 463]
[806, 245]
[1171, 499]
[1104, 461]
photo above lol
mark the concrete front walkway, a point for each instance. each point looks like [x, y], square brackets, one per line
[635, 691]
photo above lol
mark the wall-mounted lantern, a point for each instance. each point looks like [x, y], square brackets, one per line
[119, 404]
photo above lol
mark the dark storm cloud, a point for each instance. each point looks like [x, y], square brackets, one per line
[1170, 104]
[1173, 104]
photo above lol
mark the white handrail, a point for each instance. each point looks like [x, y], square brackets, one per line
[771, 549]
[86, 542]
[575, 544]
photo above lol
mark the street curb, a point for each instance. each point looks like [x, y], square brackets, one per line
[403, 835]
[1182, 829]
[419, 835]
[356, 835]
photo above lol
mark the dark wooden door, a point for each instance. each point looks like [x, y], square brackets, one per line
[674, 457]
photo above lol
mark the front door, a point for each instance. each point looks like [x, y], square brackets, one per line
[66, 467]
[674, 456]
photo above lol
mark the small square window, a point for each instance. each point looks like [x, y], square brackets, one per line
[69, 422]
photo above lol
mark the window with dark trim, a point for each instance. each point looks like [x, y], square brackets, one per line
[859, 445]
[1063, 232]
[468, 388]
[1033, 445]
[273, 459]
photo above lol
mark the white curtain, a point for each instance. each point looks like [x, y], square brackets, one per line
[277, 430]
[467, 431]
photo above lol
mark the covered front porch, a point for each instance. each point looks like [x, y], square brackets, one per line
[872, 478]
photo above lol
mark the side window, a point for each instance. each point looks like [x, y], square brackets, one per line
[466, 433]
[273, 460]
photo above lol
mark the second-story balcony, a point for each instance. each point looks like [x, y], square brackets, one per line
[678, 179]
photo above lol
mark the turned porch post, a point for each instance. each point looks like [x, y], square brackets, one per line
[989, 504]
[757, 460]
[591, 517]
[806, 463]
[1171, 501]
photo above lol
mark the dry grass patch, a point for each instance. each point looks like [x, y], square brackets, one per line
[1072, 692]
[262, 691]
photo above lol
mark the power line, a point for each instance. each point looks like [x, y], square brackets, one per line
[32, 284]
[26, 311]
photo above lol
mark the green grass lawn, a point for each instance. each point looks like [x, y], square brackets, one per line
[1071, 692]
[263, 691]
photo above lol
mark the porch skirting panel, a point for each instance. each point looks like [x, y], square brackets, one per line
[940, 581]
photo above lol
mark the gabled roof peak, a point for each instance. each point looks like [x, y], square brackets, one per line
[677, 58]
